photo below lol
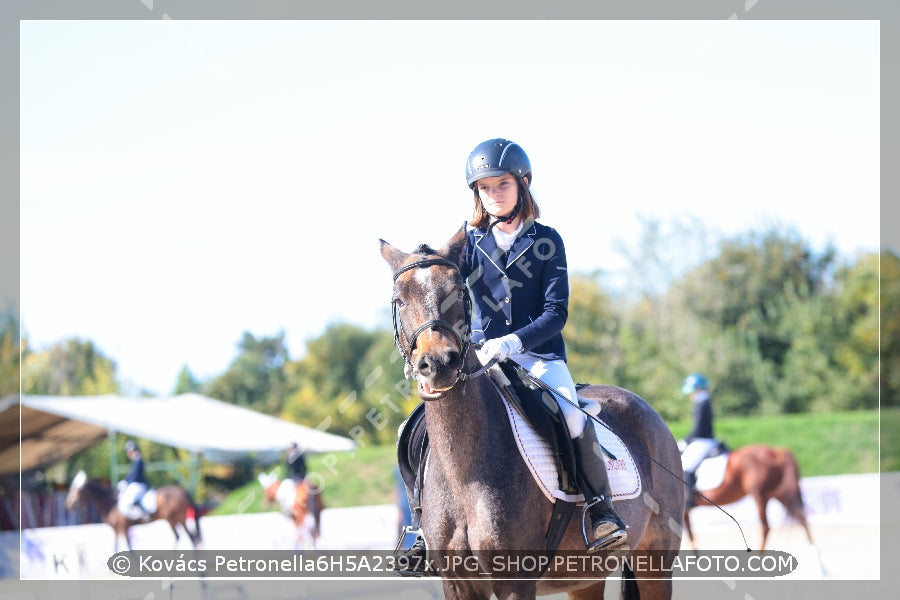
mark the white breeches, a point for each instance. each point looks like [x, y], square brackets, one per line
[695, 452]
[556, 374]
[127, 496]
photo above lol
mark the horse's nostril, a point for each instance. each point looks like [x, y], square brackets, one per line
[453, 359]
[426, 364]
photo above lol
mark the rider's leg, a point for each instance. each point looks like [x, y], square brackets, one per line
[690, 479]
[608, 529]
[691, 457]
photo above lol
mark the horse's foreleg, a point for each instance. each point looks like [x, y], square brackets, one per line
[467, 589]
[516, 590]
[651, 589]
[687, 528]
[594, 592]
[763, 520]
[174, 526]
[802, 518]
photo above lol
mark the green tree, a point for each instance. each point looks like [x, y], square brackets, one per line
[9, 354]
[591, 332]
[186, 383]
[388, 397]
[889, 303]
[327, 382]
[69, 368]
[759, 299]
[861, 286]
[256, 378]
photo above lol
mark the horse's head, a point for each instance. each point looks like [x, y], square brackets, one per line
[74, 495]
[431, 312]
[269, 483]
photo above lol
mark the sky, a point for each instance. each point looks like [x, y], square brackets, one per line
[185, 182]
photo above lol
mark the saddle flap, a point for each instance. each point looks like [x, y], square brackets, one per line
[540, 410]
[411, 442]
[624, 479]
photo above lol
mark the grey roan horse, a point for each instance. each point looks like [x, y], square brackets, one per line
[479, 499]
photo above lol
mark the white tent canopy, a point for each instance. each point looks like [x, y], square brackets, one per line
[219, 431]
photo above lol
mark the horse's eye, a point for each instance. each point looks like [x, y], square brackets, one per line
[397, 302]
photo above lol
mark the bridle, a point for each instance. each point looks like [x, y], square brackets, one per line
[463, 341]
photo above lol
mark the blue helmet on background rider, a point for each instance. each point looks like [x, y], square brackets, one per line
[694, 382]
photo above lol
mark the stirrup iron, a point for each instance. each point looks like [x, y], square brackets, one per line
[407, 529]
[585, 517]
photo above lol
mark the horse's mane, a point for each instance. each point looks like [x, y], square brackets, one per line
[425, 250]
[101, 493]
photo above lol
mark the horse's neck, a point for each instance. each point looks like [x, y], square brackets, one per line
[101, 497]
[465, 419]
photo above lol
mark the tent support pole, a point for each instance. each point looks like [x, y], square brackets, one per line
[194, 476]
[113, 459]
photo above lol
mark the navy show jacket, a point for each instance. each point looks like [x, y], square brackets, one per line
[526, 294]
[703, 420]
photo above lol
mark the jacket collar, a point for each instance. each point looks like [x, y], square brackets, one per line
[487, 244]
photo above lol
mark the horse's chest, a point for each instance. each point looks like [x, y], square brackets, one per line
[469, 516]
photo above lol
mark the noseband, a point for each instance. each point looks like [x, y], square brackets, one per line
[462, 341]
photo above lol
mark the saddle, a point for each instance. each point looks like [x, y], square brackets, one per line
[711, 470]
[541, 434]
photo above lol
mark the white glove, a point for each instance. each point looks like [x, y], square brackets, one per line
[500, 348]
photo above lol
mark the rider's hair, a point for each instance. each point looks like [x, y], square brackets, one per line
[529, 209]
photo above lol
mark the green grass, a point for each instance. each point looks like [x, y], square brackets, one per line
[359, 478]
[824, 444]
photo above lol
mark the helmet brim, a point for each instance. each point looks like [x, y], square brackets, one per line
[473, 179]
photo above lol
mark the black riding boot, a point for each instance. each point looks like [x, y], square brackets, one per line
[608, 529]
[690, 478]
[414, 561]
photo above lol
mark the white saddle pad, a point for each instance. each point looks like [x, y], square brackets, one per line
[148, 502]
[624, 479]
[711, 472]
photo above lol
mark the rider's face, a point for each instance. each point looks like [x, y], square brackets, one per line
[498, 194]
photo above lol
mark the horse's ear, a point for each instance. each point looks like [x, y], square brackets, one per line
[455, 247]
[393, 256]
[267, 479]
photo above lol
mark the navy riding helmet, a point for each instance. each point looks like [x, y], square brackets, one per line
[497, 157]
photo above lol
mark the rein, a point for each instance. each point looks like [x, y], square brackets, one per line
[462, 341]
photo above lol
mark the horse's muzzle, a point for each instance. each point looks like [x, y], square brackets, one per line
[437, 370]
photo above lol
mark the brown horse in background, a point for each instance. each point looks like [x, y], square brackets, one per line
[763, 473]
[302, 503]
[173, 504]
[479, 499]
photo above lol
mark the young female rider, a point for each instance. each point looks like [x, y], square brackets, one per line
[516, 271]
